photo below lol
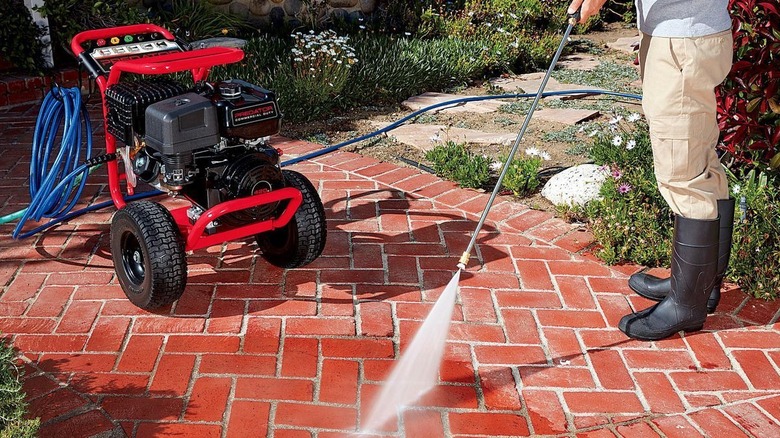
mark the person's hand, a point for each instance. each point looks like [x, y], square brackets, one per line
[588, 8]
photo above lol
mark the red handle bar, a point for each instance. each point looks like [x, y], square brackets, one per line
[201, 59]
[96, 34]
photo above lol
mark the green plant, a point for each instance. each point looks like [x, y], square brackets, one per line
[749, 99]
[606, 75]
[13, 408]
[19, 37]
[755, 254]
[631, 221]
[522, 175]
[457, 163]
[69, 17]
[565, 135]
[194, 19]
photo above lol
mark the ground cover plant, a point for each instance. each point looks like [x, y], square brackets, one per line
[13, 423]
[456, 162]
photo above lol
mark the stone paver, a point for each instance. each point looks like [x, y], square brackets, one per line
[530, 82]
[431, 98]
[251, 350]
[626, 44]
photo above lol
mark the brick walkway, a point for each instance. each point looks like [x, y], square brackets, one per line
[251, 350]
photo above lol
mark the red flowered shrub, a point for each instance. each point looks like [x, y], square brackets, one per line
[749, 99]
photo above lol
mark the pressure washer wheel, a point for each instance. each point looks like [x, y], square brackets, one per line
[148, 254]
[303, 239]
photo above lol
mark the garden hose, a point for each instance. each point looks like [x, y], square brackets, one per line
[65, 105]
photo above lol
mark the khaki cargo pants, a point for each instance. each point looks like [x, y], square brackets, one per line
[679, 76]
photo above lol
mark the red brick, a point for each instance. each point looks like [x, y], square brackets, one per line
[708, 381]
[178, 429]
[610, 369]
[578, 268]
[83, 278]
[55, 403]
[449, 396]
[714, 423]
[14, 308]
[23, 287]
[167, 325]
[248, 418]
[509, 354]
[659, 393]
[758, 369]
[476, 332]
[142, 408]
[140, 353]
[763, 339]
[753, 420]
[545, 412]
[478, 423]
[521, 327]
[316, 416]
[556, 376]
[609, 285]
[528, 299]
[50, 301]
[283, 307]
[108, 334]
[299, 357]
[208, 399]
[173, 374]
[339, 381]
[702, 400]
[603, 402]
[499, 388]
[676, 427]
[639, 429]
[27, 325]
[262, 335]
[707, 350]
[423, 423]
[50, 343]
[270, 388]
[575, 293]
[320, 326]
[357, 348]
[202, 344]
[376, 319]
[759, 311]
[490, 281]
[77, 362]
[227, 316]
[659, 359]
[38, 386]
[87, 424]
[478, 305]
[571, 318]
[109, 383]
[237, 364]
[771, 405]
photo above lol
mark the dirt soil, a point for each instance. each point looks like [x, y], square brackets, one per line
[566, 149]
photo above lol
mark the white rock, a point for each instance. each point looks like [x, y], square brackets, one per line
[575, 185]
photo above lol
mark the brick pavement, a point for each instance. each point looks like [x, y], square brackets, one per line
[251, 350]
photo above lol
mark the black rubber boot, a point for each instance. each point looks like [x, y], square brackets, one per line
[694, 271]
[656, 289]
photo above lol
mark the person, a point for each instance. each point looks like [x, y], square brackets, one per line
[685, 51]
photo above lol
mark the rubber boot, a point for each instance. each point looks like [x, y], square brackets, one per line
[656, 289]
[694, 271]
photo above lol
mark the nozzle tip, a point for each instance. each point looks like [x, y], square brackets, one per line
[461, 266]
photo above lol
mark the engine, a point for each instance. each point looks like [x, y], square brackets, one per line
[208, 144]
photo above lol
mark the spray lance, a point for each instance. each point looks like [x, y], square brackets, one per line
[464, 258]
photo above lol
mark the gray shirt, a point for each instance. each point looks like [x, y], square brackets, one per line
[682, 18]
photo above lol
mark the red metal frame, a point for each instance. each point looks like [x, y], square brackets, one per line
[199, 63]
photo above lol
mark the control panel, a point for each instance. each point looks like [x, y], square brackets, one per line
[105, 52]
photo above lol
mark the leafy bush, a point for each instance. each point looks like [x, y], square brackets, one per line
[12, 405]
[749, 99]
[522, 176]
[457, 163]
[631, 221]
[19, 37]
[755, 256]
[194, 19]
[607, 75]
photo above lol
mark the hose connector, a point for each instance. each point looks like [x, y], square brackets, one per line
[464, 260]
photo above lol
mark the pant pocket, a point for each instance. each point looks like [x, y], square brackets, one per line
[679, 147]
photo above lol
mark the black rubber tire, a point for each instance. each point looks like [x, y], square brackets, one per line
[148, 254]
[303, 239]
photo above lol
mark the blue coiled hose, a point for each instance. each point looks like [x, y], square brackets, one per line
[51, 188]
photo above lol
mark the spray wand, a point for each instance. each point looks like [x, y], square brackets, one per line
[464, 258]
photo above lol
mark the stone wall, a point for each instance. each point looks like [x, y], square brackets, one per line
[262, 12]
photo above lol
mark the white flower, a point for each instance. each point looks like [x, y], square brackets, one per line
[408, 33]
[545, 156]
[435, 138]
[736, 189]
[496, 165]
[593, 133]
[532, 151]
[617, 141]
[631, 144]
[615, 120]
[633, 117]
